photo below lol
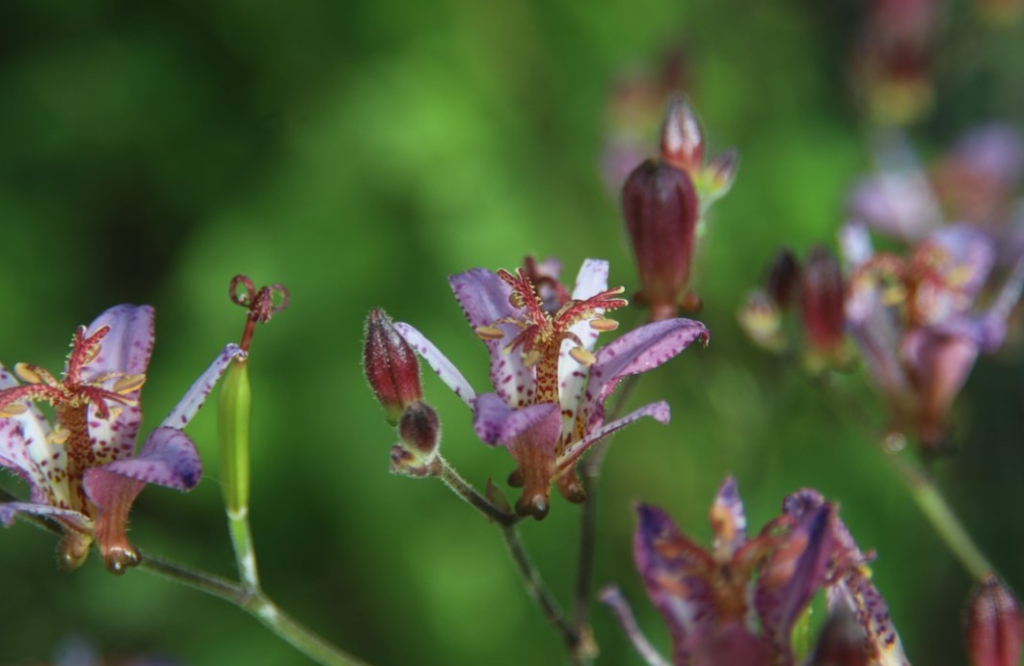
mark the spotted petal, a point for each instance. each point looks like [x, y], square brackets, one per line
[438, 362]
[676, 575]
[484, 300]
[129, 344]
[168, 458]
[638, 351]
[795, 571]
[10, 509]
[25, 450]
[200, 390]
[572, 375]
[659, 411]
[497, 423]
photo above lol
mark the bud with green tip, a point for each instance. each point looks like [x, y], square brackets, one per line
[234, 419]
[420, 432]
[391, 366]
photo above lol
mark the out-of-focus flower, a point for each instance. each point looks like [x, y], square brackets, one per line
[893, 59]
[663, 201]
[635, 110]
[818, 288]
[82, 470]
[736, 603]
[914, 320]
[995, 626]
[548, 408]
[974, 183]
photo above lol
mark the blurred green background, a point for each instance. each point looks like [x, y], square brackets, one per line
[361, 152]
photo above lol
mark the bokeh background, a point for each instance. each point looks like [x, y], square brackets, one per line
[359, 152]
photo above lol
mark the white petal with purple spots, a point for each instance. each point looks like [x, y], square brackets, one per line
[572, 375]
[659, 411]
[438, 362]
[200, 390]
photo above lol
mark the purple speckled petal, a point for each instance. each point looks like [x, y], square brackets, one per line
[790, 578]
[168, 458]
[496, 423]
[200, 390]
[659, 411]
[23, 446]
[638, 351]
[484, 300]
[438, 362]
[674, 570]
[128, 345]
[856, 592]
[728, 520]
[10, 509]
[572, 375]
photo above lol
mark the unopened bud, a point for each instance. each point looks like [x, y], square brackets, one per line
[719, 175]
[420, 429]
[784, 279]
[762, 322]
[842, 642]
[660, 206]
[391, 366]
[995, 628]
[682, 143]
[822, 296]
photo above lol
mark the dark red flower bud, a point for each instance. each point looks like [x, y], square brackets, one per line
[784, 279]
[995, 628]
[420, 429]
[391, 366]
[682, 143]
[822, 300]
[842, 642]
[660, 206]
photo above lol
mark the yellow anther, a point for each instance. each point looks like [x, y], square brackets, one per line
[531, 358]
[58, 435]
[13, 409]
[115, 412]
[959, 276]
[489, 332]
[604, 324]
[894, 295]
[27, 373]
[129, 383]
[582, 356]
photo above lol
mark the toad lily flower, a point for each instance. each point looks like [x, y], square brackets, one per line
[82, 469]
[548, 408]
[715, 601]
[914, 320]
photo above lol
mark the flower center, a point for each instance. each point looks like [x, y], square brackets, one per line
[541, 333]
[71, 397]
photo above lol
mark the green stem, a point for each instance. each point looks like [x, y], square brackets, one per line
[471, 496]
[938, 512]
[590, 471]
[527, 571]
[245, 550]
[537, 590]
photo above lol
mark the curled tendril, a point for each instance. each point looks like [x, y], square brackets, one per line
[262, 304]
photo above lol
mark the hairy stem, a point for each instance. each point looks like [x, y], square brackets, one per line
[591, 470]
[528, 572]
[250, 599]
